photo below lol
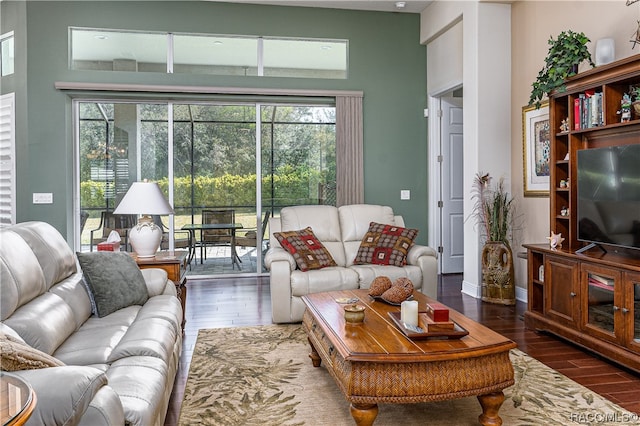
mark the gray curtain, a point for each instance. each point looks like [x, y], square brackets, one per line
[349, 152]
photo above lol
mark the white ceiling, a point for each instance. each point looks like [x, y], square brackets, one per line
[411, 6]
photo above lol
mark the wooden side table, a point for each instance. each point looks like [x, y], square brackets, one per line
[175, 263]
[17, 400]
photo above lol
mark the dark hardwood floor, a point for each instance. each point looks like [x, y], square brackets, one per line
[235, 302]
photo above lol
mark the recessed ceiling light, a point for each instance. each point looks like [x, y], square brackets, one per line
[217, 42]
[100, 37]
[326, 47]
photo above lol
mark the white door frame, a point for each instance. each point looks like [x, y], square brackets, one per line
[435, 181]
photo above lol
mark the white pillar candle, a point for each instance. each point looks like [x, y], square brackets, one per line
[409, 312]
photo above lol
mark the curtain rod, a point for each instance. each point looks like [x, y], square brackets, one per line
[117, 87]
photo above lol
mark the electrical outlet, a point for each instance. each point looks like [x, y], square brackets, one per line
[42, 198]
[405, 194]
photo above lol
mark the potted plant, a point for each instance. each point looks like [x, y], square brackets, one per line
[495, 213]
[566, 52]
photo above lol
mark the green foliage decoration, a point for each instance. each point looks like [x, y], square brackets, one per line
[494, 209]
[565, 53]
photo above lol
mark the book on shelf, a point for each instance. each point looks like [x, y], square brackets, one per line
[587, 110]
[601, 282]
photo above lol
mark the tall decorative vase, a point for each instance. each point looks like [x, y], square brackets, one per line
[498, 283]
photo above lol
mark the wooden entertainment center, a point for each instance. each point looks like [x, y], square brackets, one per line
[590, 297]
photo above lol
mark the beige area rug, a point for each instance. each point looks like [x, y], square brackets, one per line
[263, 376]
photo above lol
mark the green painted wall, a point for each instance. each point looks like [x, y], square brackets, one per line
[386, 62]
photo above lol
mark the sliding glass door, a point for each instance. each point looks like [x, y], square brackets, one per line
[206, 157]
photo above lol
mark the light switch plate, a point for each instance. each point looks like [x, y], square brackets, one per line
[42, 198]
[405, 194]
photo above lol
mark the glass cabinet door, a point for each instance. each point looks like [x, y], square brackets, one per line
[601, 302]
[602, 317]
[632, 312]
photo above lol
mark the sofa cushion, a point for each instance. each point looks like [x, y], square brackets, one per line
[96, 339]
[74, 291]
[114, 279]
[308, 252]
[51, 249]
[323, 220]
[356, 218]
[21, 277]
[149, 337]
[385, 245]
[327, 279]
[54, 318]
[16, 355]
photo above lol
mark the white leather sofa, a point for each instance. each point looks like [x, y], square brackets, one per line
[340, 229]
[118, 369]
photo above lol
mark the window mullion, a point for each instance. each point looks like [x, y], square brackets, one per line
[260, 57]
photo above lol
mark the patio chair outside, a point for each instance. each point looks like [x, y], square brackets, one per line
[180, 238]
[216, 237]
[250, 238]
[121, 223]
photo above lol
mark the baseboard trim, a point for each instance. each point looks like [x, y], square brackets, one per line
[475, 291]
[471, 289]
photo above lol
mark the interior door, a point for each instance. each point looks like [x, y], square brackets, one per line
[452, 194]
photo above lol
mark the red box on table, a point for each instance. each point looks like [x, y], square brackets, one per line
[114, 246]
[438, 312]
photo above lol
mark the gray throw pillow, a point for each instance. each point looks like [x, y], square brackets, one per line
[114, 279]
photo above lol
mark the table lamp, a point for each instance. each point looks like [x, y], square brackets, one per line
[144, 198]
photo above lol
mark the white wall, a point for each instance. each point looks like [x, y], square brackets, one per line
[486, 60]
[444, 60]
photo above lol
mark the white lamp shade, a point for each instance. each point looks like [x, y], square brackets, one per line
[144, 198]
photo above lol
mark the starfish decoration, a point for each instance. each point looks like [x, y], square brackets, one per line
[555, 240]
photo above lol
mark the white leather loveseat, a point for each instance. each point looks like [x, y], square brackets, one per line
[340, 230]
[118, 369]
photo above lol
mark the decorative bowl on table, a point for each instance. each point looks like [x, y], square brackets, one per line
[394, 293]
[354, 313]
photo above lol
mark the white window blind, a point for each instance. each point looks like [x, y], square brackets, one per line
[7, 160]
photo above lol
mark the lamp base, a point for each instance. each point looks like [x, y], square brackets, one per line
[145, 237]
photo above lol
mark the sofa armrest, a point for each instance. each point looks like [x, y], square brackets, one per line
[64, 394]
[416, 251]
[427, 259]
[278, 254]
[280, 264]
[157, 282]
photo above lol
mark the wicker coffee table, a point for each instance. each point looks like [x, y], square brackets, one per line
[374, 362]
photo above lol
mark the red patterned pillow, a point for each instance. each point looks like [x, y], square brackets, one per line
[305, 248]
[385, 245]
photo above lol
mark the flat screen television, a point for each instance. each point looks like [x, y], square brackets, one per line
[609, 196]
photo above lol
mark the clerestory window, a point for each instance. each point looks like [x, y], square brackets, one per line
[135, 51]
[7, 54]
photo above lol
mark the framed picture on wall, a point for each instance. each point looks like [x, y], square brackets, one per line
[536, 150]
